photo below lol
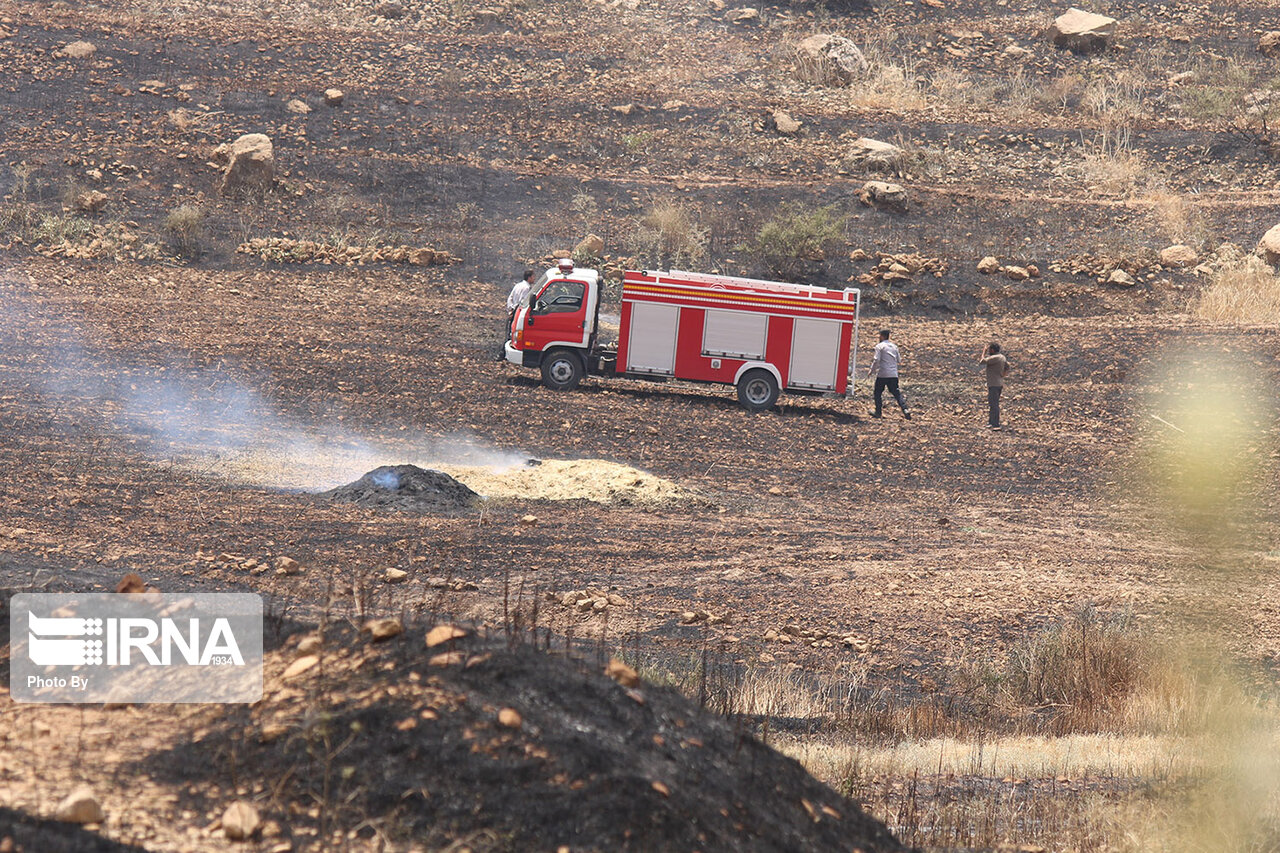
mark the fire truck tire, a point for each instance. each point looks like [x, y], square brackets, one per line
[757, 390]
[561, 370]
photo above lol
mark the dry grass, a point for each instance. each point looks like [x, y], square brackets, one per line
[1246, 291]
[1178, 217]
[890, 87]
[1111, 165]
[185, 226]
[669, 235]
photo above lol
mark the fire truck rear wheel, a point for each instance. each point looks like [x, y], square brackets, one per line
[757, 390]
[561, 370]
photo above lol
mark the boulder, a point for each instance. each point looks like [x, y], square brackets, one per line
[78, 50]
[988, 265]
[782, 122]
[592, 246]
[1269, 43]
[831, 59]
[80, 806]
[872, 155]
[1269, 246]
[334, 97]
[383, 629]
[240, 821]
[1016, 273]
[883, 195]
[297, 106]
[91, 202]
[251, 164]
[1179, 256]
[1121, 278]
[1082, 31]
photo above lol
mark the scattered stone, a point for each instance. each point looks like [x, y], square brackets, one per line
[251, 163]
[310, 644]
[334, 97]
[1121, 278]
[383, 629]
[1269, 246]
[394, 575]
[873, 155]
[1178, 256]
[1081, 31]
[592, 246]
[1033, 270]
[510, 718]
[1016, 273]
[528, 520]
[1016, 53]
[78, 50]
[1182, 78]
[445, 633]
[392, 9]
[784, 124]
[883, 195]
[405, 487]
[240, 821]
[447, 659]
[744, 15]
[80, 806]
[297, 106]
[288, 566]
[830, 59]
[91, 202]
[624, 109]
[621, 673]
[1269, 43]
[299, 666]
[131, 583]
[988, 265]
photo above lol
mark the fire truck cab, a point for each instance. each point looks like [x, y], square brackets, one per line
[760, 336]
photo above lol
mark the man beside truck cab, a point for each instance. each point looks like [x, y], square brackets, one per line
[884, 367]
[516, 298]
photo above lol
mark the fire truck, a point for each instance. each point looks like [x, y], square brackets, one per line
[762, 337]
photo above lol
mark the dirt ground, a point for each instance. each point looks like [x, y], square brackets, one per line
[178, 417]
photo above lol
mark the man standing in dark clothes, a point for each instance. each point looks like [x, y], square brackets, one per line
[997, 369]
[884, 367]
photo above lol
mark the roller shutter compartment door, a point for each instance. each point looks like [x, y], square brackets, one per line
[814, 347]
[651, 344]
[736, 334]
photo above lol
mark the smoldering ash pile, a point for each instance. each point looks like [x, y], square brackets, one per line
[405, 487]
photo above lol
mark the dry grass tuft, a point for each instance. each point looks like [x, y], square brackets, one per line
[1178, 218]
[1244, 291]
[669, 235]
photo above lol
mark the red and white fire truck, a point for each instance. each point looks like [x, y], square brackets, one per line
[760, 336]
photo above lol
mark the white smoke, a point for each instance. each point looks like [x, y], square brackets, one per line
[204, 419]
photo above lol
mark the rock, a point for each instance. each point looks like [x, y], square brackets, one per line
[528, 520]
[872, 155]
[1033, 270]
[383, 629]
[743, 15]
[1178, 256]
[1269, 43]
[131, 583]
[392, 9]
[1016, 53]
[310, 644]
[80, 806]
[445, 633]
[1269, 246]
[988, 265]
[288, 566]
[621, 673]
[240, 821]
[1082, 31]
[1016, 273]
[423, 257]
[883, 195]
[1121, 278]
[624, 109]
[300, 666]
[78, 50]
[591, 246]
[251, 164]
[1182, 78]
[393, 575]
[781, 122]
[510, 718]
[334, 97]
[91, 202]
[297, 106]
[831, 59]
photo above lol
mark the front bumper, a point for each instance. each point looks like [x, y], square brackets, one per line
[522, 357]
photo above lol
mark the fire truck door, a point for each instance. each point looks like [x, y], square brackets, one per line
[558, 316]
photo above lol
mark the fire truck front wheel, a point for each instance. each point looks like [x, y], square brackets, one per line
[757, 390]
[561, 370]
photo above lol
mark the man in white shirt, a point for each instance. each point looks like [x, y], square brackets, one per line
[884, 367]
[519, 293]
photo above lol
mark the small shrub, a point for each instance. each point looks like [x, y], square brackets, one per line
[1178, 218]
[668, 235]
[56, 228]
[1112, 166]
[798, 237]
[186, 229]
[637, 143]
[1244, 291]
